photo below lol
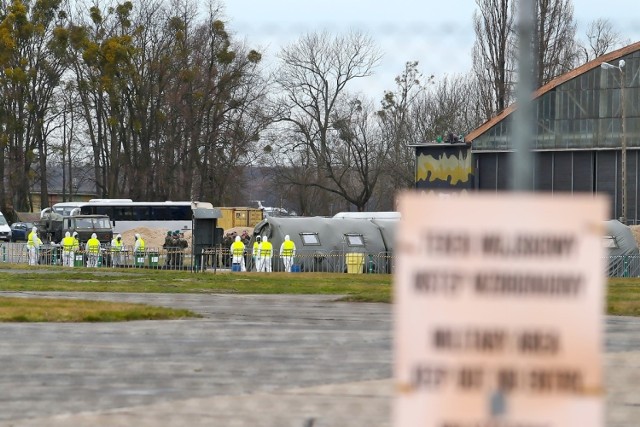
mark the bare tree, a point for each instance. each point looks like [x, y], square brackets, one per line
[554, 42]
[313, 78]
[601, 38]
[399, 126]
[493, 53]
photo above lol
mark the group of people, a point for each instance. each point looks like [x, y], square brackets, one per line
[263, 253]
[70, 245]
[175, 245]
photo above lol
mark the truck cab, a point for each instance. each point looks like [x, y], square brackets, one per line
[53, 226]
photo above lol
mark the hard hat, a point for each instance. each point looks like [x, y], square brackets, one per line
[94, 236]
[265, 239]
[286, 237]
[118, 237]
[237, 238]
[137, 236]
[75, 233]
[34, 229]
[258, 238]
[67, 234]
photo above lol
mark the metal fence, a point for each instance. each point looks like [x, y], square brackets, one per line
[306, 261]
[623, 266]
[218, 258]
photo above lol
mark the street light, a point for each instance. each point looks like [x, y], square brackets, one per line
[623, 153]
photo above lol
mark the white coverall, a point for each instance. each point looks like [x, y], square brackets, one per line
[265, 253]
[33, 246]
[287, 252]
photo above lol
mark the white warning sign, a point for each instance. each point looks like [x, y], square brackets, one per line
[498, 311]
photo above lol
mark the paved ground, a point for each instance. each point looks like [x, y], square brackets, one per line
[251, 361]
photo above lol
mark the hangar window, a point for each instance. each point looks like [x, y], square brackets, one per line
[310, 239]
[610, 242]
[354, 239]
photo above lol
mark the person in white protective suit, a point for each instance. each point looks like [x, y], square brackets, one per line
[287, 252]
[237, 253]
[68, 242]
[33, 246]
[265, 253]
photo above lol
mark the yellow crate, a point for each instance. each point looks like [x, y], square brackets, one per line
[239, 217]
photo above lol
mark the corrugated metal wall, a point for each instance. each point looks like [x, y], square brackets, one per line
[569, 171]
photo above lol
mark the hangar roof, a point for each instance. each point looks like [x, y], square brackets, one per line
[609, 57]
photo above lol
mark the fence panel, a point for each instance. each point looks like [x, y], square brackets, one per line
[212, 258]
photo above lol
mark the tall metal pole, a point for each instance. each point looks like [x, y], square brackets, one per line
[522, 133]
[623, 153]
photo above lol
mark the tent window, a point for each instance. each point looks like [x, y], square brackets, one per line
[610, 242]
[310, 239]
[354, 240]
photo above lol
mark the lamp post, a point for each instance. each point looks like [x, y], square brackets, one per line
[623, 147]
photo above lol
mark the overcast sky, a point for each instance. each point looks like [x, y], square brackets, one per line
[437, 34]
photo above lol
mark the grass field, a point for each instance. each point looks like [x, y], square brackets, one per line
[352, 287]
[623, 295]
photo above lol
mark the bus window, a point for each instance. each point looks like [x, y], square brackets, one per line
[159, 213]
[103, 210]
[87, 210]
[180, 213]
[140, 213]
[122, 214]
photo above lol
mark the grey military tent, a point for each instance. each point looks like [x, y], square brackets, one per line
[623, 254]
[330, 244]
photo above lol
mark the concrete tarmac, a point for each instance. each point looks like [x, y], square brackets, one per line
[252, 360]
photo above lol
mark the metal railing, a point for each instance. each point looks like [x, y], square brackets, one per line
[219, 258]
[211, 258]
[305, 261]
[623, 266]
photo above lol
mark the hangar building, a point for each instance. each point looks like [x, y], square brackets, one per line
[578, 133]
[583, 120]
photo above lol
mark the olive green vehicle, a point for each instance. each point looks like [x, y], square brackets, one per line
[52, 227]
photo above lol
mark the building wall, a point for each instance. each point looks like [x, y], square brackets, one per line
[596, 172]
[444, 166]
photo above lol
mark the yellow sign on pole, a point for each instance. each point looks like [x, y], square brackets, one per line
[498, 311]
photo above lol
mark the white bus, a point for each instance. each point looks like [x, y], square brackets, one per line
[125, 214]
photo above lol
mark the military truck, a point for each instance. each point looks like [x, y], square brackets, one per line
[53, 226]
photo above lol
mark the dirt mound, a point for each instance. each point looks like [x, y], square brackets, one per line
[153, 237]
[635, 229]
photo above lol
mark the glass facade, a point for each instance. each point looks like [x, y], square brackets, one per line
[583, 113]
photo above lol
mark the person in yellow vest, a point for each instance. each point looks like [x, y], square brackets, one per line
[138, 249]
[265, 253]
[256, 245]
[93, 251]
[237, 253]
[76, 241]
[287, 252]
[33, 246]
[76, 247]
[67, 250]
[116, 251]
[139, 244]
